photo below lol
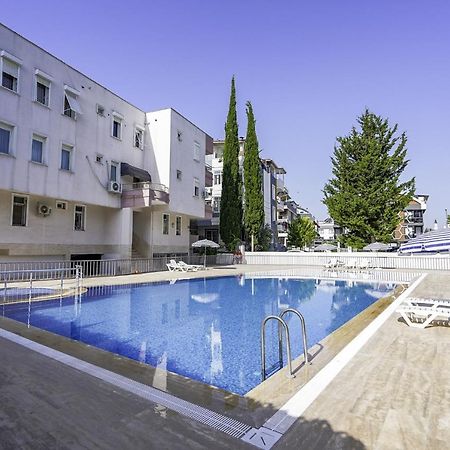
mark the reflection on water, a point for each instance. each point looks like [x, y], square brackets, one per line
[206, 329]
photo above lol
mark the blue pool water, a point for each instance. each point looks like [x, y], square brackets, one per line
[205, 329]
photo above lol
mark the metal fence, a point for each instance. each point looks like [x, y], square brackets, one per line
[380, 260]
[50, 270]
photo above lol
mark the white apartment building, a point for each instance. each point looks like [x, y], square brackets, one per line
[84, 173]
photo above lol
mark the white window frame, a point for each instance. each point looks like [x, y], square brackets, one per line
[138, 129]
[12, 137]
[219, 175]
[27, 200]
[70, 148]
[83, 217]
[14, 60]
[197, 151]
[178, 230]
[45, 79]
[72, 96]
[43, 139]
[162, 223]
[117, 117]
[196, 185]
[117, 166]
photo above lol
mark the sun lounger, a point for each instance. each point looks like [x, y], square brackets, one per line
[172, 265]
[189, 267]
[421, 312]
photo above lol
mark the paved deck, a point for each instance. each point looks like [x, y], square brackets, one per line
[394, 394]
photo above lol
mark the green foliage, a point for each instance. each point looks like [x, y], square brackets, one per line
[301, 232]
[264, 239]
[231, 201]
[366, 196]
[254, 201]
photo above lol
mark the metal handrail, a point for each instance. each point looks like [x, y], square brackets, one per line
[282, 323]
[303, 325]
[78, 269]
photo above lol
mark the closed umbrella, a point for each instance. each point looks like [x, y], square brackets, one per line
[377, 247]
[432, 241]
[205, 243]
[325, 248]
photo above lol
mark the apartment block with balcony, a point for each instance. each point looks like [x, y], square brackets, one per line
[209, 228]
[412, 219]
[86, 174]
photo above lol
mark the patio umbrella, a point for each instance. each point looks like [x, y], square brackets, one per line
[377, 247]
[205, 243]
[325, 248]
[432, 241]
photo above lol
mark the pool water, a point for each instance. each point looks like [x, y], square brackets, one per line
[205, 329]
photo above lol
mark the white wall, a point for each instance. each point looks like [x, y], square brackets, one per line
[55, 234]
[89, 134]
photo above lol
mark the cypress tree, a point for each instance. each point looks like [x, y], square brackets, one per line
[254, 201]
[231, 201]
[366, 196]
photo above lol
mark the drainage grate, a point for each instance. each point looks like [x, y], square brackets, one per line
[214, 420]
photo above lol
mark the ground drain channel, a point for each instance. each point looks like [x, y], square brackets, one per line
[214, 420]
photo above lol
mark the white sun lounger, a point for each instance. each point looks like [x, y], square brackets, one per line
[189, 267]
[421, 312]
[172, 265]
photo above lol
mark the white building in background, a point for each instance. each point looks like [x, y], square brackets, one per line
[84, 173]
[209, 229]
[328, 230]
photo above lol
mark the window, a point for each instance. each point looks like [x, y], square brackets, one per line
[196, 187]
[71, 105]
[66, 157]
[6, 132]
[196, 151]
[79, 218]
[10, 72]
[216, 204]
[114, 171]
[37, 149]
[165, 223]
[178, 226]
[117, 125]
[179, 174]
[19, 211]
[139, 138]
[218, 178]
[42, 88]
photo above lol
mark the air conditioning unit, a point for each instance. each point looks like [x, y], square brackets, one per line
[44, 210]
[204, 193]
[115, 186]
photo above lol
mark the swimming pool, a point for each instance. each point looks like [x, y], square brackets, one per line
[205, 329]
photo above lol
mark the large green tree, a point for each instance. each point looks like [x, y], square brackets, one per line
[301, 232]
[253, 196]
[366, 194]
[231, 201]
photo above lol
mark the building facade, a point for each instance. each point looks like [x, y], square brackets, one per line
[86, 174]
[412, 219]
[209, 228]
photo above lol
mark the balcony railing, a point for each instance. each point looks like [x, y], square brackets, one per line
[141, 195]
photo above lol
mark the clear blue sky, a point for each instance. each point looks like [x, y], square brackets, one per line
[309, 68]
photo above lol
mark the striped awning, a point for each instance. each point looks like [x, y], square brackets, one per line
[433, 241]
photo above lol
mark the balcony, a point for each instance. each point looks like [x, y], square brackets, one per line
[143, 195]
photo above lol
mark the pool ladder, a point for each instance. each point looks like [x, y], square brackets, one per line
[282, 324]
